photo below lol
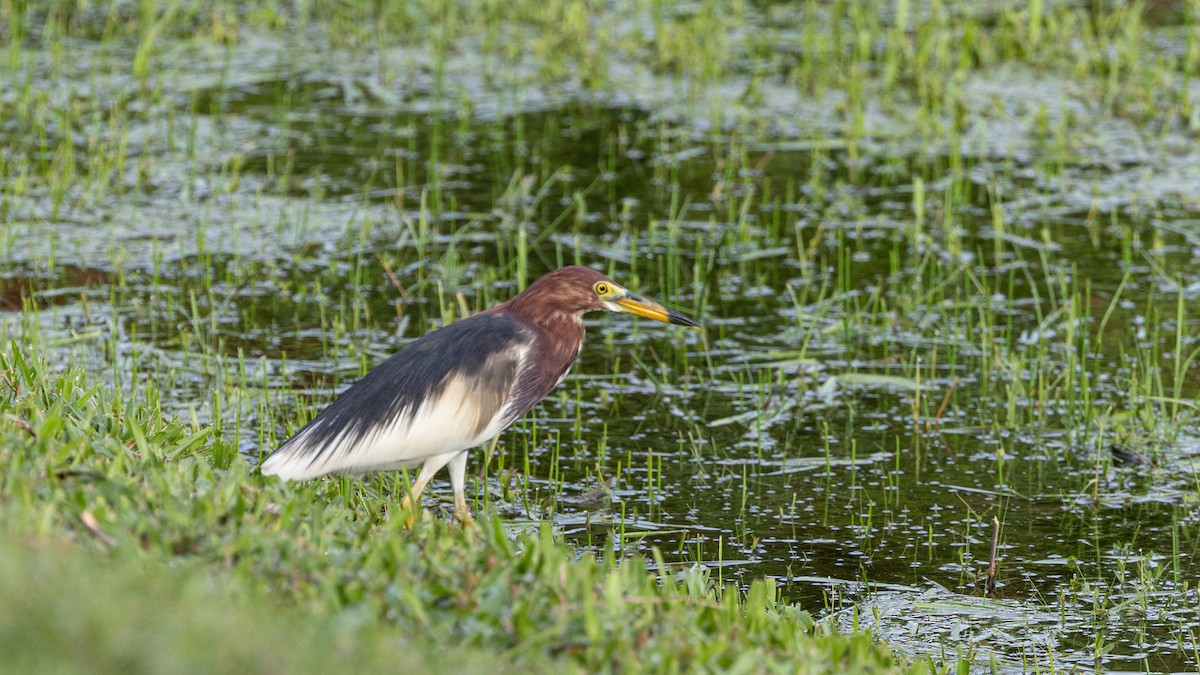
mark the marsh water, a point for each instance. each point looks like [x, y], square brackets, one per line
[906, 339]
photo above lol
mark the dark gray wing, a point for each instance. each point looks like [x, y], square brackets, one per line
[445, 392]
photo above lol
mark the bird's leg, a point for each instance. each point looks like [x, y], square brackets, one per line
[458, 470]
[408, 502]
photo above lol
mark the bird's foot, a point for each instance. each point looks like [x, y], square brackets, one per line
[462, 512]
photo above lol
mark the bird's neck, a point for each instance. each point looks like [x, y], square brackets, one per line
[564, 330]
[562, 338]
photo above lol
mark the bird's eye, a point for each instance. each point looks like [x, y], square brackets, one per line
[601, 288]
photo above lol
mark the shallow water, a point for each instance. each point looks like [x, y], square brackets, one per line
[846, 422]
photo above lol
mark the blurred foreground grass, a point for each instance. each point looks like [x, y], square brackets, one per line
[126, 548]
[69, 610]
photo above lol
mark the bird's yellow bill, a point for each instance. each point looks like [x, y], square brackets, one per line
[652, 310]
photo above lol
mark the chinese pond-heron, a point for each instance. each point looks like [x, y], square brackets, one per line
[458, 386]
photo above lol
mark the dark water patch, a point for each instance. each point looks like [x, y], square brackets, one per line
[67, 284]
[296, 307]
[346, 146]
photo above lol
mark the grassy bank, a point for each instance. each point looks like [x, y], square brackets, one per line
[128, 549]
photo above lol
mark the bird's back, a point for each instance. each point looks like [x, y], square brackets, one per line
[448, 391]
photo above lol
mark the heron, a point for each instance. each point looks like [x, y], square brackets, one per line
[458, 386]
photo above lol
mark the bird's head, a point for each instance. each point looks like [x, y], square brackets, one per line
[576, 290]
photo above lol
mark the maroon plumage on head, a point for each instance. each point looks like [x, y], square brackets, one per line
[458, 386]
[564, 291]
